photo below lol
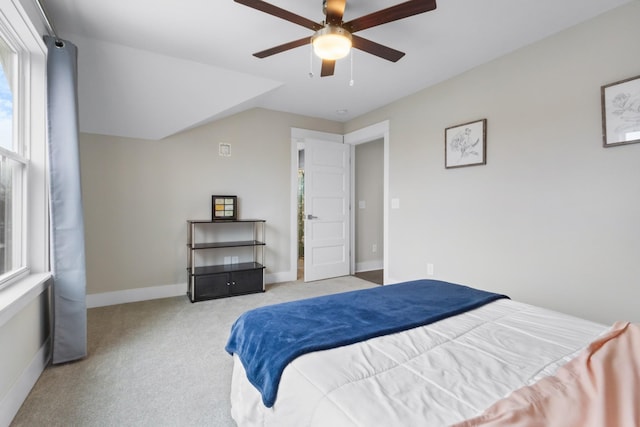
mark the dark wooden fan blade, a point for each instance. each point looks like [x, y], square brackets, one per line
[376, 49]
[390, 14]
[334, 10]
[282, 47]
[328, 66]
[280, 13]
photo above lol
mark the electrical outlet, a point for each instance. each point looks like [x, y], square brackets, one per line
[227, 260]
[234, 260]
[374, 248]
[429, 269]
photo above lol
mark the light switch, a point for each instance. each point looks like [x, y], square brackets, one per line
[395, 203]
[362, 204]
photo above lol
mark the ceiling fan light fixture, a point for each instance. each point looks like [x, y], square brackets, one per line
[331, 42]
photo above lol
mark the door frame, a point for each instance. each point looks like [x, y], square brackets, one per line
[367, 134]
[362, 136]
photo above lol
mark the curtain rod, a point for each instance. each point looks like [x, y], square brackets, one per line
[50, 29]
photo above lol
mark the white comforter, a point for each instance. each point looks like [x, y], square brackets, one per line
[434, 375]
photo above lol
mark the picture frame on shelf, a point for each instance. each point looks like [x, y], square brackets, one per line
[465, 144]
[621, 112]
[224, 208]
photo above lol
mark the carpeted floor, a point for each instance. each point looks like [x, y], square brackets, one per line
[156, 363]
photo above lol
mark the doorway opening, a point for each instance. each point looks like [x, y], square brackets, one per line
[300, 176]
[367, 188]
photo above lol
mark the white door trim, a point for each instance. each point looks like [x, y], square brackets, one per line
[366, 134]
[361, 136]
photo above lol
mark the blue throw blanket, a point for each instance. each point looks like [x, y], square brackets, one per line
[266, 339]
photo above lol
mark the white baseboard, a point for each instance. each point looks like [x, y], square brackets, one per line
[14, 398]
[156, 292]
[369, 265]
[280, 277]
[393, 281]
[134, 295]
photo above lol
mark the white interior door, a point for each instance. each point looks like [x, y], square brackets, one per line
[326, 216]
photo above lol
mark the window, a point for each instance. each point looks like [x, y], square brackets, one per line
[13, 166]
[6, 98]
[23, 206]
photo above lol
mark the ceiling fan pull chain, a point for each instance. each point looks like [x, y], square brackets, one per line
[351, 81]
[310, 60]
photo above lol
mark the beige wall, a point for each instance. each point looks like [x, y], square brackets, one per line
[35, 318]
[25, 344]
[552, 219]
[138, 194]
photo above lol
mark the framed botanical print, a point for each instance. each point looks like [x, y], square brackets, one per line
[465, 144]
[621, 112]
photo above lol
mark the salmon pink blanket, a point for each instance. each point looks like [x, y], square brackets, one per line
[600, 387]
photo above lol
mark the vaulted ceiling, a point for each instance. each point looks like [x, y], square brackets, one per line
[149, 69]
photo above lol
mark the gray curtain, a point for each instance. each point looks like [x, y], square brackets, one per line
[66, 219]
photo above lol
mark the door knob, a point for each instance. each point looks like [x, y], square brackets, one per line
[311, 216]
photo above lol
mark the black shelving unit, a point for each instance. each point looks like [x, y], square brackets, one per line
[225, 258]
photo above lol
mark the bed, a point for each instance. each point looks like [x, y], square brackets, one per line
[464, 364]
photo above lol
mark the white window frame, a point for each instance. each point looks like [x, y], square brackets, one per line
[19, 208]
[19, 75]
[30, 141]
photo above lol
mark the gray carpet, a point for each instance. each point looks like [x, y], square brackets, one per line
[156, 363]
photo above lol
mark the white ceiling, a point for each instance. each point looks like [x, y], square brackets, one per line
[152, 68]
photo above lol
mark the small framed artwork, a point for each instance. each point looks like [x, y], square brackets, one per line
[224, 207]
[465, 144]
[621, 112]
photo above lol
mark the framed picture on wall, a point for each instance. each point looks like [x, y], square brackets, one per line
[465, 144]
[224, 208]
[621, 112]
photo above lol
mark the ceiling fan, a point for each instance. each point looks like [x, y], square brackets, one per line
[333, 38]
